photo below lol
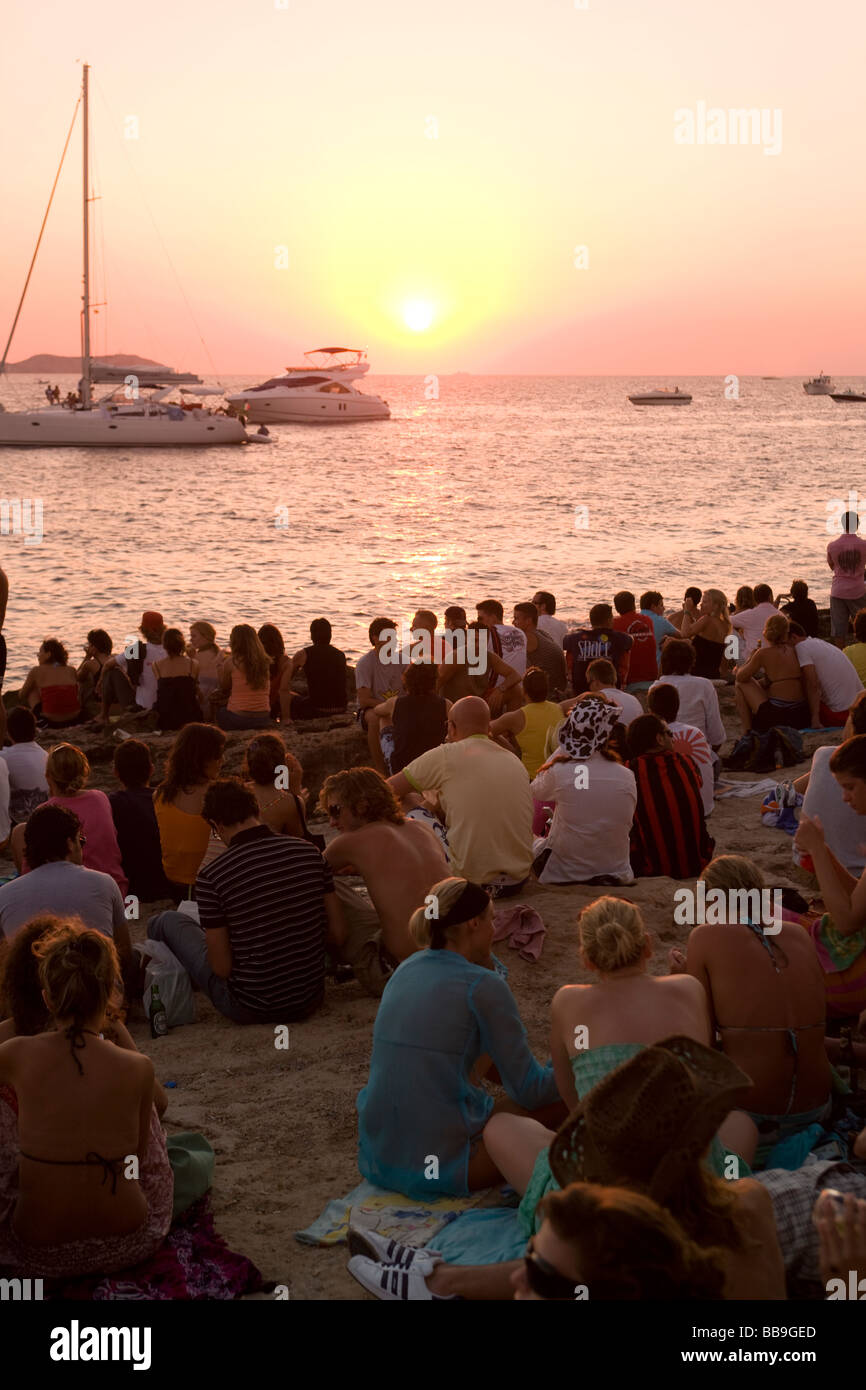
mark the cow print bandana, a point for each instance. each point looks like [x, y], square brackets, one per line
[588, 727]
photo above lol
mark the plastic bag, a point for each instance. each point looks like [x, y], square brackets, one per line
[163, 969]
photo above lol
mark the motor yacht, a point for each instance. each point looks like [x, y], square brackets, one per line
[320, 393]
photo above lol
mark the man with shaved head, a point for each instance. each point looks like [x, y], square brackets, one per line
[484, 793]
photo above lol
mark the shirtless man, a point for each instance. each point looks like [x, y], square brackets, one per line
[399, 861]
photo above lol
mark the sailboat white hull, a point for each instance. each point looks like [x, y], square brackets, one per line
[88, 429]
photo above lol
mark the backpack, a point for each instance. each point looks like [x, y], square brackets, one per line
[754, 752]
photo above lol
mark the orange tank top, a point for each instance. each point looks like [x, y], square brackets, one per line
[245, 700]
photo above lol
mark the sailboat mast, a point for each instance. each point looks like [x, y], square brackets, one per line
[85, 351]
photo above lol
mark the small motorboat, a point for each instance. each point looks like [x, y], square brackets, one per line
[664, 396]
[857, 397]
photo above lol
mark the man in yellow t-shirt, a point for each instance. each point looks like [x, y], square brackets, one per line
[856, 653]
[484, 793]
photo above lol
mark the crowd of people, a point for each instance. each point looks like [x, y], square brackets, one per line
[666, 1149]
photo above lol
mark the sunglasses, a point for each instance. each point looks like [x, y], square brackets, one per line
[544, 1279]
[334, 810]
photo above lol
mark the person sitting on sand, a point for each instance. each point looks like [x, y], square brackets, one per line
[541, 651]
[399, 860]
[823, 798]
[669, 834]
[664, 701]
[411, 723]
[376, 681]
[595, 1028]
[856, 651]
[85, 1108]
[708, 629]
[59, 882]
[594, 798]
[129, 680]
[25, 761]
[67, 772]
[780, 698]
[699, 703]
[765, 989]
[600, 639]
[245, 680]
[545, 604]
[51, 688]
[194, 761]
[177, 693]
[754, 608]
[267, 910]
[643, 662]
[136, 824]
[324, 667]
[529, 725]
[831, 682]
[269, 765]
[479, 785]
[601, 680]
[652, 605]
[423, 1109]
[203, 648]
[280, 691]
[97, 651]
[802, 609]
[646, 1127]
[840, 933]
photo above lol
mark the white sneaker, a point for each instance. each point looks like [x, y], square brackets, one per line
[389, 1252]
[392, 1284]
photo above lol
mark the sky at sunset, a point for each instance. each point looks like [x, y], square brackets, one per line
[440, 163]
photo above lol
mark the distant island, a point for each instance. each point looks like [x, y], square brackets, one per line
[48, 362]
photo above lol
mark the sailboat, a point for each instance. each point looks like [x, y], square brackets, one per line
[124, 418]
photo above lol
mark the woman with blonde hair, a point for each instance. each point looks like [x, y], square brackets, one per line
[67, 773]
[779, 697]
[708, 628]
[85, 1110]
[595, 1028]
[422, 1111]
[245, 679]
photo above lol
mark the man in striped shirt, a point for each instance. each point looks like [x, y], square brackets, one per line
[669, 834]
[267, 908]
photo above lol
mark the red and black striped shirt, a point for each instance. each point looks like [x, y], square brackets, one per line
[669, 834]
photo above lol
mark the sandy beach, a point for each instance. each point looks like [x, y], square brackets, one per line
[283, 1122]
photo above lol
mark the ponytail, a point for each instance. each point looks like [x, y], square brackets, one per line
[449, 904]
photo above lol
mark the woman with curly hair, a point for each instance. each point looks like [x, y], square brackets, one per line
[95, 1188]
[194, 762]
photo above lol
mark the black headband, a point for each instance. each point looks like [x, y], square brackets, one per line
[471, 903]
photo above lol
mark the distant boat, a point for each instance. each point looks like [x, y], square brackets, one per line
[857, 397]
[820, 385]
[664, 396]
[771, 378]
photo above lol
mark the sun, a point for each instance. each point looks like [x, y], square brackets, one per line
[418, 315]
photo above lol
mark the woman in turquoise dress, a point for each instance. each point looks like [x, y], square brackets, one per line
[597, 1027]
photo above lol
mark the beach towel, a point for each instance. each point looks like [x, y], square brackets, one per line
[522, 928]
[391, 1214]
[192, 1263]
[724, 787]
